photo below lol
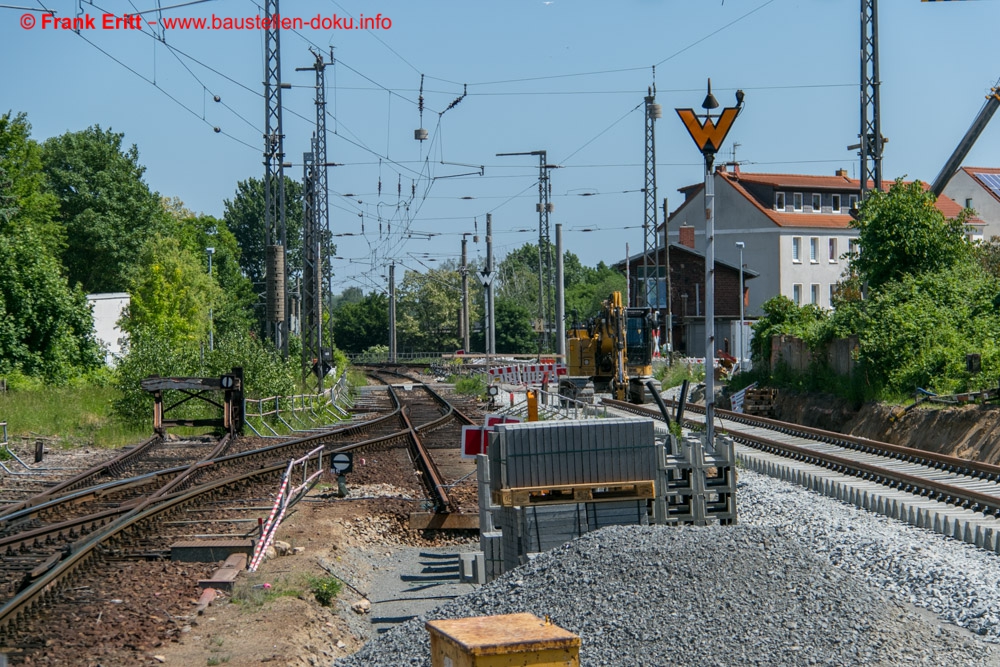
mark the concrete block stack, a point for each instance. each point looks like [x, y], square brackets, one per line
[698, 484]
[572, 459]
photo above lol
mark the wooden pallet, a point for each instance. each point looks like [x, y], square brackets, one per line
[573, 493]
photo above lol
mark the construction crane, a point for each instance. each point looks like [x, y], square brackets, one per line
[965, 145]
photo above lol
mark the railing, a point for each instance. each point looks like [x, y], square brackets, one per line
[383, 357]
[7, 454]
[551, 405]
[298, 413]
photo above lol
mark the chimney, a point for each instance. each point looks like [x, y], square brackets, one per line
[842, 173]
[686, 236]
[720, 168]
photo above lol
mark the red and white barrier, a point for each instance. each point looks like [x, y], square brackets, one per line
[527, 373]
[281, 503]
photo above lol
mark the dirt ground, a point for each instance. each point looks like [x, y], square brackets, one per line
[970, 432]
[283, 624]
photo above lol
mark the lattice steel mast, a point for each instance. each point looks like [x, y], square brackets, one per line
[315, 251]
[274, 184]
[650, 257]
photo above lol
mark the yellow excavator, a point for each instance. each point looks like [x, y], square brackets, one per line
[611, 352]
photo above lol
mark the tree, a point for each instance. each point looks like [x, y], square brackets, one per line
[514, 334]
[428, 308]
[107, 211]
[171, 295]
[595, 285]
[360, 325]
[197, 233]
[21, 158]
[901, 233]
[244, 216]
[46, 327]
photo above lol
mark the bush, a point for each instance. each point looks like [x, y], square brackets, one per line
[473, 386]
[325, 589]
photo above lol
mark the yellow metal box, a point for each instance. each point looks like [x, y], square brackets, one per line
[513, 640]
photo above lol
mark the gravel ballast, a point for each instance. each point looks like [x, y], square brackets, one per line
[801, 580]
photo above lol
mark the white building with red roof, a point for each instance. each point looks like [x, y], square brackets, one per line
[796, 230]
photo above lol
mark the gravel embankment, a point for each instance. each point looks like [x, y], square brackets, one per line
[802, 580]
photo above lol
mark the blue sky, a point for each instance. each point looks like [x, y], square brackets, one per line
[565, 76]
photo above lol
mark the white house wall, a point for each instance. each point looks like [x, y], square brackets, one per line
[963, 187]
[768, 247]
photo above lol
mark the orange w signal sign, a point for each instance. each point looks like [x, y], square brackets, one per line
[707, 134]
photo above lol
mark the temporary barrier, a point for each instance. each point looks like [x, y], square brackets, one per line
[284, 500]
[527, 373]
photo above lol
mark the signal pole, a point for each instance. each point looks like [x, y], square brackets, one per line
[709, 135]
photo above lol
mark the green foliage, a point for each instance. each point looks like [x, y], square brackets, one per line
[244, 217]
[264, 372]
[672, 376]
[514, 334]
[78, 413]
[902, 233]
[106, 209]
[33, 204]
[325, 589]
[470, 386]
[171, 295]
[428, 310]
[586, 296]
[46, 328]
[358, 325]
[783, 317]
[196, 234]
[918, 331]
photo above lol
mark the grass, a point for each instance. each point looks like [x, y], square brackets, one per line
[254, 592]
[78, 415]
[671, 376]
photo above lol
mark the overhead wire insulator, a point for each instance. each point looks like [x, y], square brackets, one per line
[420, 134]
[454, 103]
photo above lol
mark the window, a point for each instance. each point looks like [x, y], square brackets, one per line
[852, 247]
[814, 249]
[779, 201]
[814, 294]
[968, 202]
[852, 202]
[835, 203]
[817, 203]
[797, 294]
[833, 292]
[797, 201]
[796, 249]
[833, 250]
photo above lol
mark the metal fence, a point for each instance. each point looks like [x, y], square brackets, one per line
[279, 416]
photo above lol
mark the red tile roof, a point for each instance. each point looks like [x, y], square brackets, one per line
[948, 207]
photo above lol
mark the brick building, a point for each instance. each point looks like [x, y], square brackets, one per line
[687, 292]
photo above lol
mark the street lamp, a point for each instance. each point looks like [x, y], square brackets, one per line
[740, 245]
[211, 323]
[708, 136]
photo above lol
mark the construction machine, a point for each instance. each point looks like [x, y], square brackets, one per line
[611, 352]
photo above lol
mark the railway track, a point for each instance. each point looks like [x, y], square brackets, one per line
[74, 531]
[954, 496]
